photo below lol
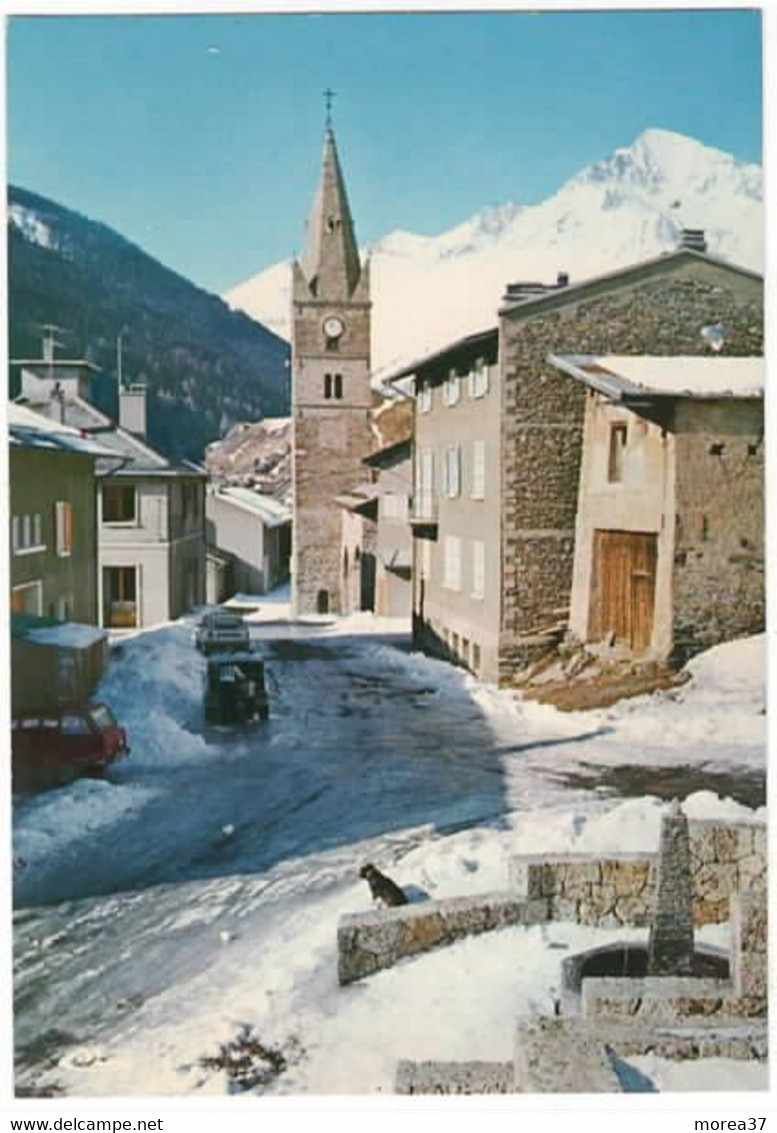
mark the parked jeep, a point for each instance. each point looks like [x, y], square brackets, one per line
[235, 691]
[56, 745]
[222, 630]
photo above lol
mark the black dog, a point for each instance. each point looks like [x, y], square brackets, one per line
[384, 890]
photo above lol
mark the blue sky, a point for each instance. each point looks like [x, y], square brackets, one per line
[209, 158]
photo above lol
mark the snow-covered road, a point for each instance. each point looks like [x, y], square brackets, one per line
[210, 857]
[360, 744]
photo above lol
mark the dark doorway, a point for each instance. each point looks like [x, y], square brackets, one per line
[368, 582]
[322, 602]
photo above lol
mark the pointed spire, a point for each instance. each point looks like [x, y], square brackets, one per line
[331, 260]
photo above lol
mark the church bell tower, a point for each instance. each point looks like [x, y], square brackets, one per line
[331, 394]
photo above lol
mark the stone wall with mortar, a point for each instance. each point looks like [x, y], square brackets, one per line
[557, 1055]
[750, 943]
[666, 999]
[454, 1077]
[658, 309]
[726, 858]
[619, 889]
[718, 582]
[606, 892]
[368, 942]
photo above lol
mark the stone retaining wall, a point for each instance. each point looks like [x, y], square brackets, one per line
[454, 1077]
[619, 889]
[726, 858]
[608, 892]
[368, 942]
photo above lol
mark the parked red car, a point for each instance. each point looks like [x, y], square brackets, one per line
[56, 745]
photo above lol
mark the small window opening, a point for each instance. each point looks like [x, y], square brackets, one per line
[327, 386]
[618, 438]
[338, 386]
[717, 449]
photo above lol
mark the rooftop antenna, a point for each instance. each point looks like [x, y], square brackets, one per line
[329, 94]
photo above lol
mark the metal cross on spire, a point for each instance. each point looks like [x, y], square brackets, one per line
[329, 94]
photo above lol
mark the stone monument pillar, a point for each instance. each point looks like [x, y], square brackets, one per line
[670, 948]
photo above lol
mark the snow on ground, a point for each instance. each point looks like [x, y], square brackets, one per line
[261, 949]
[274, 970]
[49, 823]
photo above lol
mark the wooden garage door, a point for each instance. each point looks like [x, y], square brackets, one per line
[623, 588]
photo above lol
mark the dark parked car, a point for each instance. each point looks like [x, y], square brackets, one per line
[56, 745]
[235, 691]
[221, 630]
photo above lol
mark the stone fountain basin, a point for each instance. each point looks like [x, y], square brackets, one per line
[628, 960]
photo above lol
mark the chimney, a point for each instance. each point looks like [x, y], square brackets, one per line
[692, 240]
[562, 279]
[132, 408]
[516, 292]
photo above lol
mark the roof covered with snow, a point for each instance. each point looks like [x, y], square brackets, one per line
[271, 512]
[28, 429]
[84, 419]
[50, 631]
[623, 376]
[482, 338]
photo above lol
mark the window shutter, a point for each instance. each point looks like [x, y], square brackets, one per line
[452, 562]
[478, 470]
[64, 527]
[454, 471]
[478, 569]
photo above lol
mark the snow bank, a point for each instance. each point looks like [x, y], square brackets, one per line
[155, 687]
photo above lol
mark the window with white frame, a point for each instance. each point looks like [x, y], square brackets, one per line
[424, 390]
[27, 534]
[452, 576]
[63, 525]
[27, 598]
[478, 379]
[478, 569]
[451, 389]
[478, 486]
[452, 471]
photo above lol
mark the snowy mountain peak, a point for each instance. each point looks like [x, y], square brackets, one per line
[625, 208]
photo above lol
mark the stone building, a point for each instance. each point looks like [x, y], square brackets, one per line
[493, 568]
[669, 541]
[331, 395]
[664, 306]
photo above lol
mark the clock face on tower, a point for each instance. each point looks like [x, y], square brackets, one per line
[333, 327]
